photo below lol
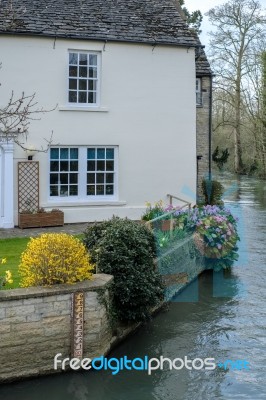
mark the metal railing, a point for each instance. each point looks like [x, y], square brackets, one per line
[187, 203]
[170, 213]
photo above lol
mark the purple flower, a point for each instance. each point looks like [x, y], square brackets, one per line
[169, 208]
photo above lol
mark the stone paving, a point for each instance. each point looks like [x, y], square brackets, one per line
[72, 229]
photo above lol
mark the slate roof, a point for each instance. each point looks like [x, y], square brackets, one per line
[203, 67]
[139, 21]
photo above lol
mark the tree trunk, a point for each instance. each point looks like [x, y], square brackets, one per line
[239, 167]
[264, 113]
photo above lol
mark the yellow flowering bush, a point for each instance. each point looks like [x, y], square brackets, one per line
[7, 278]
[54, 258]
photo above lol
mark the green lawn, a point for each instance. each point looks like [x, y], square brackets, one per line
[11, 249]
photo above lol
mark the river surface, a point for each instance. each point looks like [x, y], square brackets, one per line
[227, 322]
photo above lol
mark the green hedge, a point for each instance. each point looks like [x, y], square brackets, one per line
[126, 250]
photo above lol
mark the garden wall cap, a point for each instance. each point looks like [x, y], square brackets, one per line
[98, 282]
[137, 21]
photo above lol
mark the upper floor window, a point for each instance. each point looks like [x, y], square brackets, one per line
[198, 92]
[83, 79]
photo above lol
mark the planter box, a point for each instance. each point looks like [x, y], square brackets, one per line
[41, 220]
[166, 225]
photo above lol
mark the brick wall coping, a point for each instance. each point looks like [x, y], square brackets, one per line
[98, 282]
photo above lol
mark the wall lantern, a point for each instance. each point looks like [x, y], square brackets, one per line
[30, 151]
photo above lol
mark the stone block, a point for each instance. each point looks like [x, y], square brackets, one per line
[50, 299]
[91, 299]
[55, 321]
[44, 308]
[33, 317]
[16, 320]
[23, 310]
[27, 327]
[33, 300]
[8, 340]
[63, 297]
[93, 326]
[4, 328]
[2, 313]
[62, 305]
[11, 303]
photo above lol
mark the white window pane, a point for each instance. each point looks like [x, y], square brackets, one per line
[73, 58]
[83, 59]
[93, 59]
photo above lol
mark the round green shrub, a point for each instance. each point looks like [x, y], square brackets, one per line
[126, 250]
[212, 192]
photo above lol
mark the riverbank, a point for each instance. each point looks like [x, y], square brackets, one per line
[220, 325]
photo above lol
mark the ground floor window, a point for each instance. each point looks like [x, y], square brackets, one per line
[100, 171]
[83, 172]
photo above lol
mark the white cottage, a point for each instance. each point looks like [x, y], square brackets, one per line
[120, 76]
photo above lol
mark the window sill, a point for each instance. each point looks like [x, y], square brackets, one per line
[103, 203]
[84, 109]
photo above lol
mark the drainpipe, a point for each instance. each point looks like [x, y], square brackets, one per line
[210, 131]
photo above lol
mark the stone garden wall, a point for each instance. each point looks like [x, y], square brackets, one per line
[35, 325]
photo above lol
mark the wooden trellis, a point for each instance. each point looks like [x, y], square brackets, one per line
[28, 186]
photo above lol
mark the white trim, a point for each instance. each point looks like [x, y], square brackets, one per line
[106, 203]
[85, 108]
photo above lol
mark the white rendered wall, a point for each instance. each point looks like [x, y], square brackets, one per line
[147, 109]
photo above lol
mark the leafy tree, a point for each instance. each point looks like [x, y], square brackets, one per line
[194, 18]
[239, 25]
[220, 157]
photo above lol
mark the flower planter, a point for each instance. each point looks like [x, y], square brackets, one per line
[41, 220]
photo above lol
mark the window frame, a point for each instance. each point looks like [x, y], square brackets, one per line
[82, 177]
[97, 172]
[198, 92]
[98, 79]
[59, 172]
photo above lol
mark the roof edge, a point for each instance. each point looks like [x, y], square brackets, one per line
[151, 43]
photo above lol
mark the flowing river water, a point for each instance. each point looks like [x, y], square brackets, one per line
[227, 322]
